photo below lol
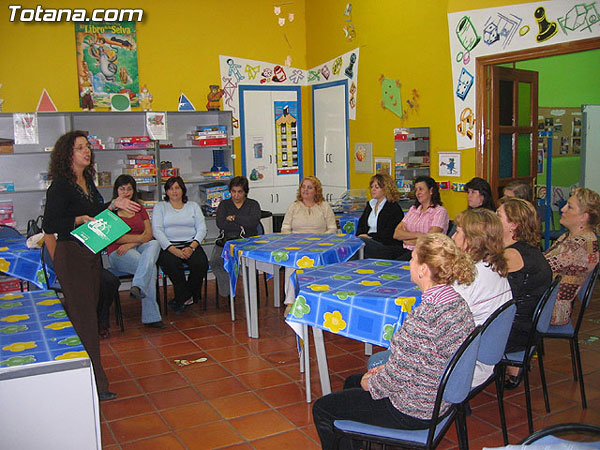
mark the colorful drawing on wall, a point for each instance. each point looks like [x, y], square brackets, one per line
[252, 71]
[390, 95]
[363, 157]
[286, 138]
[501, 28]
[580, 17]
[467, 123]
[547, 29]
[350, 69]
[449, 165]
[279, 75]
[185, 104]
[467, 34]
[349, 31]
[106, 62]
[325, 72]
[234, 70]
[465, 82]
[383, 165]
[337, 66]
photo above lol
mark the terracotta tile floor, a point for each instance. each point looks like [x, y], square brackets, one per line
[249, 394]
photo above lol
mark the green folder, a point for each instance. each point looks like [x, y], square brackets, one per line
[100, 233]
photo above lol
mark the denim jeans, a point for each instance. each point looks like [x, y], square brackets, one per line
[141, 262]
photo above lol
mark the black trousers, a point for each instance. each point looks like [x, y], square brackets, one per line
[354, 403]
[175, 268]
[78, 272]
[109, 287]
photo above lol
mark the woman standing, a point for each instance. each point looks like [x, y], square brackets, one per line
[136, 253]
[72, 200]
[479, 194]
[427, 215]
[380, 218]
[179, 227]
[528, 272]
[575, 253]
[401, 393]
[237, 217]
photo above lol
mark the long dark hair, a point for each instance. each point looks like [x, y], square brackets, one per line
[436, 200]
[483, 187]
[124, 180]
[170, 182]
[61, 159]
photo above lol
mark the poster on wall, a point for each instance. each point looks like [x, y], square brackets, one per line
[565, 124]
[286, 138]
[484, 32]
[383, 165]
[449, 165]
[363, 157]
[106, 62]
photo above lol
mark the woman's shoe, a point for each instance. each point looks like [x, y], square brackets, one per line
[160, 325]
[136, 292]
[104, 333]
[106, 395]
[513, 381]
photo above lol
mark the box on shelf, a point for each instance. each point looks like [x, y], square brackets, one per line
[10, 284]
[217, 175]
[169, 172]
[7, 186]
[6, 145]
[212, 194]
[208, 136]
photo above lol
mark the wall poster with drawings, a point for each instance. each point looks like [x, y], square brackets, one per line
[286, 138]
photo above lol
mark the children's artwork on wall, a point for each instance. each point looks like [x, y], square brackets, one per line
[265, 73]
[383, 165]
[565, 124]
[286, 137]
[349, 31]
[390, 95]
[449, 165]
[185, 104]
[363, 157]
[25, 128]
[106, 62]
[45, 104]
[156, 124]
[484, 32]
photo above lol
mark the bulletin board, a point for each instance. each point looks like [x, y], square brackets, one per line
[565, 124]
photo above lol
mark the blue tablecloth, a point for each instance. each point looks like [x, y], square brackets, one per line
[300, 251]
[349, 222]
[24, 263]
[34, 328]
[366, 300]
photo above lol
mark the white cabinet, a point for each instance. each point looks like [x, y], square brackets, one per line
[330, 120]
[271, 139]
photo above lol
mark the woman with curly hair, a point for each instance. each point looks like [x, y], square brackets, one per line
[427, 215]
[575, 253]
[71, 200]
[401, 393]
[380, 218]
[528, 272]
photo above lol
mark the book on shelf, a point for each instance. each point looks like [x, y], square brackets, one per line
[140, 171]
[209, 142]
[98, 234]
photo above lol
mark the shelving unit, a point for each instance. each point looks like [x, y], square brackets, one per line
[25, 166]
[411, 154]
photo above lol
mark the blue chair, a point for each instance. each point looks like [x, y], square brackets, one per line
[455, 384]
[571, 332]
[494, 336]
[522, 359]
[546, 437]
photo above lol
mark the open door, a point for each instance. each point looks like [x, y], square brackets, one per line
[512, 133]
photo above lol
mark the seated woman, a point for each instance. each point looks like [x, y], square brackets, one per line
[427, 215]
[575, 253]
[401, 393]
[519, 189]
[479, 194]
[380, 218]
[136, 252]
[237, 217]
[528, 272]
[310, 213]
[479, 233]
[178, 225]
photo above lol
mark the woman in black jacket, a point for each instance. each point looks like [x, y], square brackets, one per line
[380, 218]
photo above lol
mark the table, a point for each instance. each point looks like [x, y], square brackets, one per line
[366, 300]
[349, 222]
[299, 251]
[47, 385]
[25, 263]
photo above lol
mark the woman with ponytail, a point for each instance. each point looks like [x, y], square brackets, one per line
[401, 393]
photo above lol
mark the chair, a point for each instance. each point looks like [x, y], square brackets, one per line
[494, 336]
[165, 280]
[454, 386]
[6, 231]
[571, 332]
[522, 359]
[48, 263]
[451, 228]
[546, 436]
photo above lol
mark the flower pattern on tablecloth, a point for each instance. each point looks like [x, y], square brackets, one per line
[334, 322]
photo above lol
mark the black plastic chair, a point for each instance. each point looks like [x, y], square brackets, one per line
[522, 359]
[547, 436]
[454, 387]
[571, 332]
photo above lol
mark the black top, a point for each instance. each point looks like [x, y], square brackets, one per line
[247, 216]
[529, 283]
[65, 200]
[389, 217]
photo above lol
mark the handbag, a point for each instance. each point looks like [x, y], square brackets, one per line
[34, 226]
[221, 239]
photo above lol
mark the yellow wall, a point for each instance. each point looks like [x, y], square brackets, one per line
[179, 43]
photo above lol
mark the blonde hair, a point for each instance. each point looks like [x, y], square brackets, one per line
[318, 188]
[483, 238]
[523, 214]
[387, 183]
[446, 262]
[589, 202]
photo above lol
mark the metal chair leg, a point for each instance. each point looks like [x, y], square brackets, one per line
[544, 385]
[580, 372]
